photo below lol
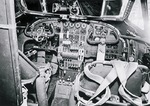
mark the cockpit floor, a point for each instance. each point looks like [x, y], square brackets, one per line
[51, 91]
[60, 102]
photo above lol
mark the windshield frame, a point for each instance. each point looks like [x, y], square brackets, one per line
[124, 12]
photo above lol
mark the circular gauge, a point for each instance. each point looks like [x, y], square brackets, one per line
[71, 25]
[83, 25]
[77, 25]
[66, 24]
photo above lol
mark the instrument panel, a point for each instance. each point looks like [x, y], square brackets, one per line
[74, 36]
[74, 41]
[115, 51]
[47, 28]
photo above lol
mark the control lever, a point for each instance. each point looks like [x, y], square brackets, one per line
[67, 35]
[101, 49]
[101, 42]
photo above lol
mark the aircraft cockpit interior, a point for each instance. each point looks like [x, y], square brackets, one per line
[75, 53]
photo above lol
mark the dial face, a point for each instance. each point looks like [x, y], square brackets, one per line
[66, 24]
[77, 25]
[84, 25]
[71, 25]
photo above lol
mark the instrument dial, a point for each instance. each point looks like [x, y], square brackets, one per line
[83, 25]
[66, 24]
[78, 25]
[71, 25]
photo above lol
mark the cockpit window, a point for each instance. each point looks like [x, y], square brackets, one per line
[102, 7]
[149, 11]
[106, 9]
[33, 5]
[91, 7]
[113, 7]
[136, 15]
[149, 8]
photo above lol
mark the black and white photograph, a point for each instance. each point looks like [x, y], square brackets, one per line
[74, 52]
